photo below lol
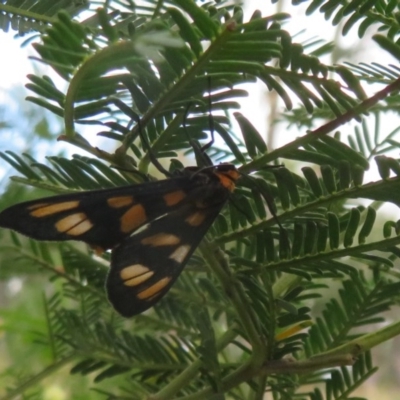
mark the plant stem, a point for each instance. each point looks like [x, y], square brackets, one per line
[218, 265]
[365, 342]
[191, 371]
[370, 190]
[322, 130]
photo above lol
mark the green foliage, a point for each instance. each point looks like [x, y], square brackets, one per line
[240, 321]
[384, 13]
[35, 15]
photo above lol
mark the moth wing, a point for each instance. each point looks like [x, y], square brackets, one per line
[145, 265]
[101, 218]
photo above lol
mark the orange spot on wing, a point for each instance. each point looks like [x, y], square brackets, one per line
[133, 218]
[180, 253]
[74, 224]
[140, 279]
[37, 205]
[81, 228]
[161, 239]
[44, 209]
[196, 219]
[153, 290]
[133, 271]
[174, 197]
[135, 274]
[120, 201]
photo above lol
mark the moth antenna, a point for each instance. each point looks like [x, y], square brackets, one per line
[150, 152]
[210, 117]
[201, 157]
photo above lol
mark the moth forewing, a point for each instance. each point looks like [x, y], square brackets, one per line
[101, 218]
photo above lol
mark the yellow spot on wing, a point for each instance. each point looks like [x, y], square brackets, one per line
[133, 271]
[174, 197]
[37, 205]
[140, 279]
[153, 289]
[74, 224]
[133, 218]
[135, 274]
[180, 253]
[120, 201]
[196, 219]
[161, 239]
[81, 228]
[44, 209]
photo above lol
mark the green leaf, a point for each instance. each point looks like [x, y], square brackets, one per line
[254, 142]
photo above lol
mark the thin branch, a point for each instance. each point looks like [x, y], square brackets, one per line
[192, 370]
[364, 191]
[355, 112]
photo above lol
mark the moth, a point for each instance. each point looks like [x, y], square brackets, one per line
[152, 228]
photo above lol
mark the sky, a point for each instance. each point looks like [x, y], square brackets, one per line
[14, 67]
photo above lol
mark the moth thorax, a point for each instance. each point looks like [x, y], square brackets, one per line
[211, 195]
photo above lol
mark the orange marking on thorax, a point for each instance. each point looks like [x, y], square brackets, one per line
[228, 179]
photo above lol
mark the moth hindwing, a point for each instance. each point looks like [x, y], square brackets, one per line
[175, 213]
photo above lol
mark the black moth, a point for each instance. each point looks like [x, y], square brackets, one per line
[176, 213]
